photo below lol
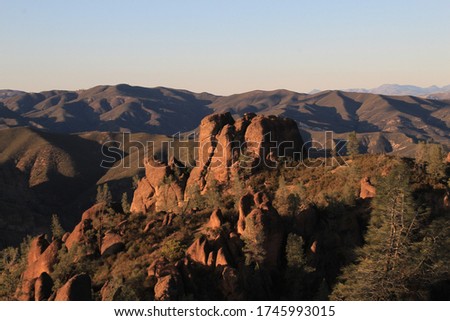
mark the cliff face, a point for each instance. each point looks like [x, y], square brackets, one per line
[224, 145]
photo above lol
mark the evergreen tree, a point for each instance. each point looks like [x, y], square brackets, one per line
[57, 229]
[213, 196]
[436, 166]
[104, 194]
[421, 153]
[352, 145]
[254, 244]
[195, 198]
[238, 188]
[125, 203]
[380, 273]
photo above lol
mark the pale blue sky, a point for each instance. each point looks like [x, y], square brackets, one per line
[224, 47]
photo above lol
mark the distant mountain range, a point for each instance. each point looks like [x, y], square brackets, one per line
[406, 90]
[384, 123]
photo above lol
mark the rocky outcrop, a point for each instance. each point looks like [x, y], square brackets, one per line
[168, 288]
[222, 141]
[110, 291]
[43, 287]
[215, 220]
[43, 264]
[112, 243]
[263, 222]
[447, 159]
[266, 134]
[165, 279]
[78, 288]
[221, 258]
[161, 189]
[367, 189]
[79, 233]
[199, 250]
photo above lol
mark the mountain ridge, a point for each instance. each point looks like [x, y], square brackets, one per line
[166, 111]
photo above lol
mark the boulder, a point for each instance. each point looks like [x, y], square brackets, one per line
[112, 243]
[199, 250]
[367, 189]
[245, 206]
[216, 219]
[43, 287]
[110, 291]
[447, 159]
[94, 212]
[221, 258]
[79, 232]
[169, 287]
[44, 263]
[78, 288]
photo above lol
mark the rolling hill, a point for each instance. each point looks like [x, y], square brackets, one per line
[399, 120]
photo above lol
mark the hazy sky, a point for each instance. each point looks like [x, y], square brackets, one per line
[224, 46]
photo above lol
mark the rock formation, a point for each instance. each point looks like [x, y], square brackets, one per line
[112, 243]
[162, 188]
[367, 189]
[222, 141]
[215, 220]
[78, 288]
[259, 217]
[168, 288]
[42, 264]
[43, 287]
[199, 251]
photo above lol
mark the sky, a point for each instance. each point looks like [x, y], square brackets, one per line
[224, 47]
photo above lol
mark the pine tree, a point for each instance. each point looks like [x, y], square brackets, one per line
[436, 166]
[254, 239]
[125, 203]
[213, 196]
[238, 188]
[380, 273]
[421, 153]
[104, 194]
[352, 145]
[57, 229]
